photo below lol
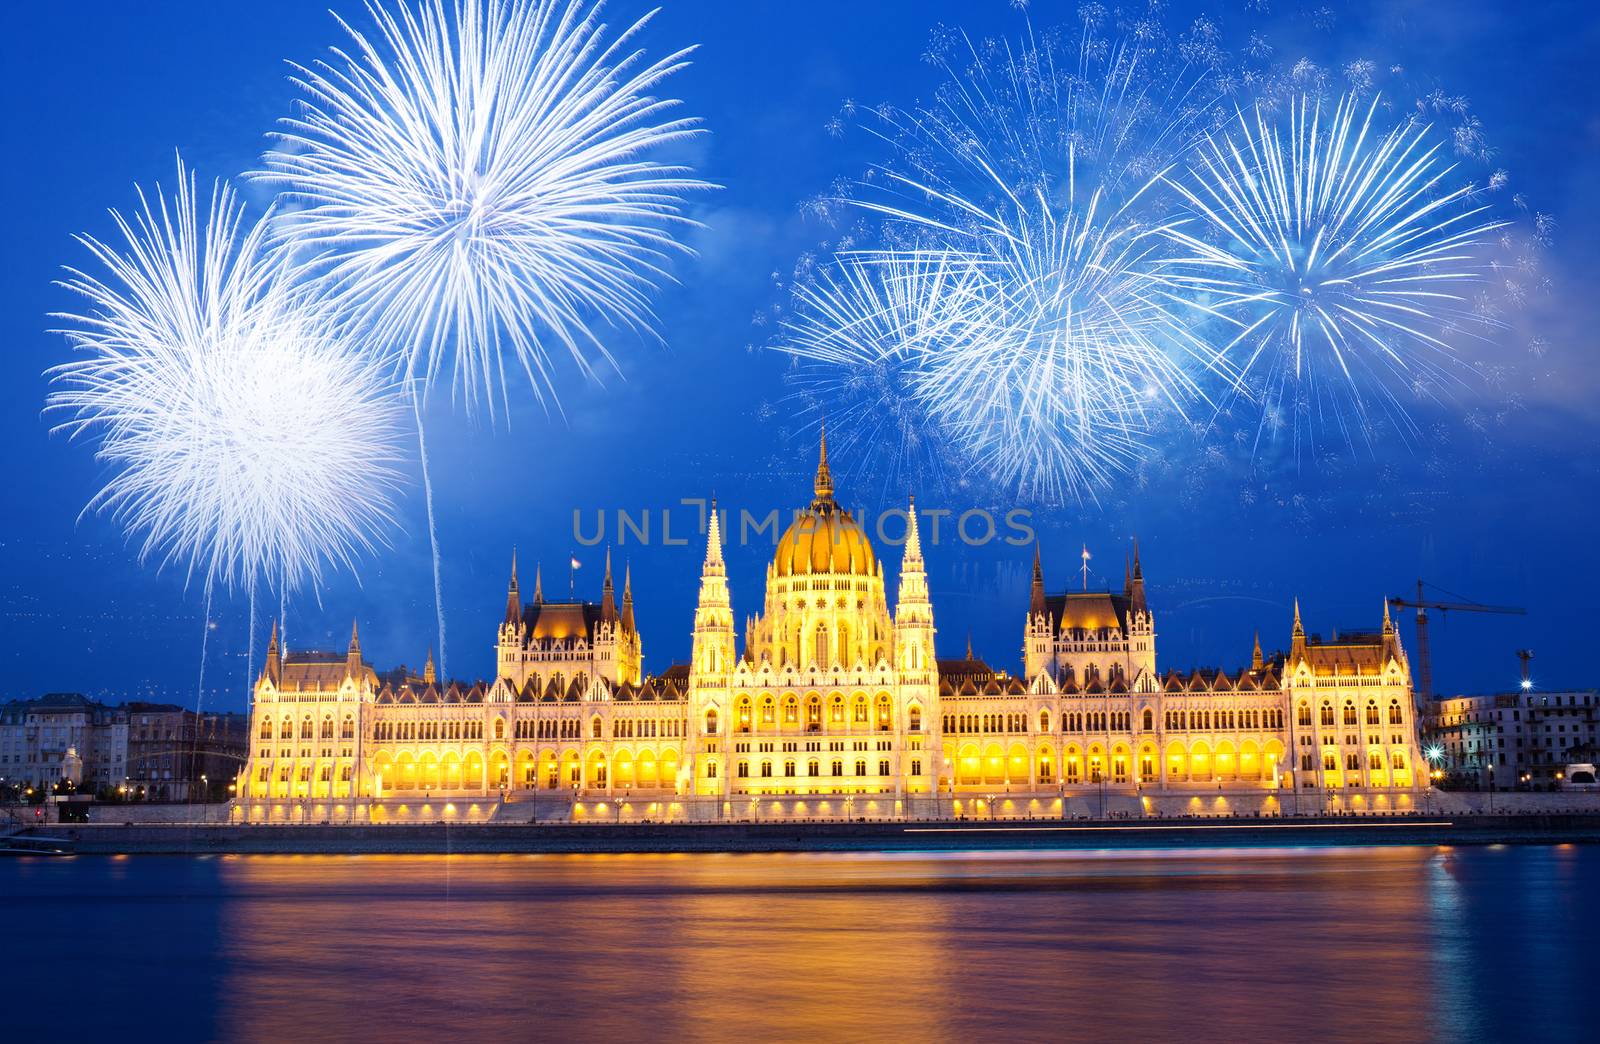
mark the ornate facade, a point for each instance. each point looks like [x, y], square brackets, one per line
[835, 705]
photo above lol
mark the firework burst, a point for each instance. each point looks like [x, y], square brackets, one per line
[1022, 192]
[474, 186]
[1340, 256]
[244, 441]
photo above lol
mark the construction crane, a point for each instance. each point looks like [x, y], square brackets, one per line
[1422, 604]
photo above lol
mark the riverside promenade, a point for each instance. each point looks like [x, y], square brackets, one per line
[325, 839]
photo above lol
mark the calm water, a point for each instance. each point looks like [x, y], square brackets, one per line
[1253, 944]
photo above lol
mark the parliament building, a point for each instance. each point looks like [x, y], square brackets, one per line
[833, 705]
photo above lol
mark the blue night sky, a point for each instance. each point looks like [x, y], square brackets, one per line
[1497, 502]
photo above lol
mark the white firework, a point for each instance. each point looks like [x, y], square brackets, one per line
[244, 441]
[1049, 355]
[858, 334]
[479, 183]
[1341, 257]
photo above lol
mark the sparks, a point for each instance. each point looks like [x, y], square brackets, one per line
[1338, 254]
[245, 441]
[1050, 348]
[476, 185]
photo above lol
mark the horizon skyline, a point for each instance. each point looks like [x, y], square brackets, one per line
[1485, 501]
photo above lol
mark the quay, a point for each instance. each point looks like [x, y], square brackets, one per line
[893, 836]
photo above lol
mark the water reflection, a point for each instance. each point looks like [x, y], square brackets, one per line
[1383, 943]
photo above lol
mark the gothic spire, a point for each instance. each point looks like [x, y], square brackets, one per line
[513, 597]
[714, 542]
[274, 663]
[1256, 659]
[627, 598]
[913, 534]
[352, 657]
[1036, 601]
[608, 597]
[538, 585]
[429, 676]
[823, 487]
[1299, 629]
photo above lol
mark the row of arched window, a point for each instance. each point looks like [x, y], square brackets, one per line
[1348, 717]
[426, 731]
[309, 728]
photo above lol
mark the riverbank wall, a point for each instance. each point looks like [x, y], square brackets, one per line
[488, 838]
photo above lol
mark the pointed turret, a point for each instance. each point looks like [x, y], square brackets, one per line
[538, 585]
[823, 486]
[713, 616]
[969, 646]
[913, 611]
[1036, 602]
[274, 665]
[627, 598]
[608, 595]
[1299, 628]
[1297, 639]
[513, 597]
[913, 533]
[1136, 600]
[352, 657]
[714, 544]
[1256, 661]
[1388, 624]
[429, 676]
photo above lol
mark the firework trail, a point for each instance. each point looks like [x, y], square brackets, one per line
[244, 440]
[1025, 191]
[473, 187]
[1339, 257]
[860, 327]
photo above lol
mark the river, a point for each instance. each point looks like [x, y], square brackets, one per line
[1403, 943]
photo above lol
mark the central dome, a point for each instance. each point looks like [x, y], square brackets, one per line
[824, 538]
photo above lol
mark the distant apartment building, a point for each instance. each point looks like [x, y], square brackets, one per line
[175, 754]
[1511, 739]
[63, 735]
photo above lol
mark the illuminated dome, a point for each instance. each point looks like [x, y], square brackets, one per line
[825, 538]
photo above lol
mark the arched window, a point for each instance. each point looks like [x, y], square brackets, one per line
[1372, 712]
[347, 729]
[500, 727]
[812, 768]
[744, 713]
[1303, 714]
[813, 713]
[305, 728]
[1149, 720]
[769, 711]
[1044, 721]
[266, 728]
[1349, 712]
[823, 657]
[1394, 712]
[711, 724]
[885, 713]
[861, 710]
[327, 726]
[916, 719]
[791, 711]
[594, 728]
[1327, 713]
[711, 768]
[836, 712]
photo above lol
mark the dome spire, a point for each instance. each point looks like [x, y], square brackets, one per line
[823, 487]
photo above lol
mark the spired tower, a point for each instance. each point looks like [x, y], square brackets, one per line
[832, 693]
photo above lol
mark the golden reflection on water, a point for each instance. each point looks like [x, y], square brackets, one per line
[1243, 944]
